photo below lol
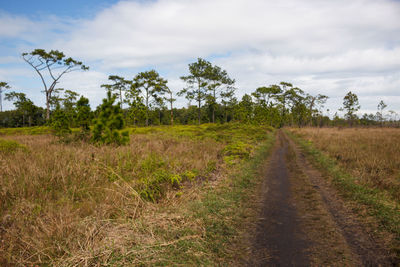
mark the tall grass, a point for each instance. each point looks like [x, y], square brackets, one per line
[76, 203]
[372, 155]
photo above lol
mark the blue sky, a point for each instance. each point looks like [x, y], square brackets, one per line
[327, 47]
[70, 8]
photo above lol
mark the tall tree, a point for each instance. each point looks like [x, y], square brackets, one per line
[218, 79]
[381, 107]
[171, 100]
[51, 65]
[244, 110]
[3, 86]
[315, 103]
[153, 86]
[135, 102]
[83, 113]
[118, 86]
[351, 105]
[282, 98]
[264, 94]
[23, 104]
[197, 83]
[228, 100]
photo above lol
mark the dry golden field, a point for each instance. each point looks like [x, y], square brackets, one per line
[371, 155]
[80, 204]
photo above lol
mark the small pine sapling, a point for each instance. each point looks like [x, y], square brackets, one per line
[60, 122]
[83, 113]
[110, 121]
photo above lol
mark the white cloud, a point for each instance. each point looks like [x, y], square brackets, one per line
[325, 47]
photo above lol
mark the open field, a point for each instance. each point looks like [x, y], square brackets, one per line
[372, 156]
[77, 203]
[363, 164]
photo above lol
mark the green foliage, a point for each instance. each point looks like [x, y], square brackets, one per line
[109, 123]
[26, 130]
[52, 65]
[118, 86]
[83, 113]
[197, 83]
[10, 146]
[153, 85]
[351, 105]
[27, 112]
[60, 122]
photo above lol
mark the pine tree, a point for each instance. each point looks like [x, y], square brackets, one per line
[83, 113]
[60, 122]
[107, 125]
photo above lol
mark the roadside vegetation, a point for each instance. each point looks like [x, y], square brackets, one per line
[81, 203]
[365, 166]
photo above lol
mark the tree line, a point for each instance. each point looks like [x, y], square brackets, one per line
[147, 100]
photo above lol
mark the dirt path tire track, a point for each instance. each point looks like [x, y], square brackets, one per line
[279, 240]
[283, 236]
[368, 250]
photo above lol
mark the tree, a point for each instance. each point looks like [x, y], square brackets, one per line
[83, 113]
[218, 78]
[23, 104]
[351, 105]
[282, 98]
[153, 86]
[3, 86]
[135, 102]
[317, 101]
[60, 122]
[120, 85]
[264, 94]
[171, 100]
[51, 65]
[244, 110]
[381, 107]
[107, 125]
[228, 100]
[197, 83]
[263, 97]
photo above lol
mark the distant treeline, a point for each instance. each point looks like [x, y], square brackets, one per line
[146, 99]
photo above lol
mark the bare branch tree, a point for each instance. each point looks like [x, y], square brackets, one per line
[54, 64]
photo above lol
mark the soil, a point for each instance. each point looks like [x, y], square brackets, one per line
[304, 222]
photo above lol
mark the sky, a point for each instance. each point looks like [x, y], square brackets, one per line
[322, 47]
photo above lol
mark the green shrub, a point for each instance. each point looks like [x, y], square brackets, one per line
[60, 122]
[108, 125]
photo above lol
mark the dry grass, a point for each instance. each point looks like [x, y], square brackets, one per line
[372, 155]
[62, 200]
[82, 205]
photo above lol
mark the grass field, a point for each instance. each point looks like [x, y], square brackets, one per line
[364, 164]
[80, 204]
[370, 155]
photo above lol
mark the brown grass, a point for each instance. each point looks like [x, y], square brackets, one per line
[371, 155]
[75, 204]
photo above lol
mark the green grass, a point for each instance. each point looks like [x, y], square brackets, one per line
[379, 204]
[220, 213]
[9, 146]
[26, 130]
[229, 132]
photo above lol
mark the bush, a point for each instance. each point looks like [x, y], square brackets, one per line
[107, 125]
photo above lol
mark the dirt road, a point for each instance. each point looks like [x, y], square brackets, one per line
[303, 222]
